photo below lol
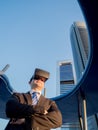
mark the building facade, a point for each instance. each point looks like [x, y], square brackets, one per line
[70, 72]
[66, 78]
[81, 50]
[80, 47]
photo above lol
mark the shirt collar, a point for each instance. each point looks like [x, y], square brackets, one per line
[32, 91]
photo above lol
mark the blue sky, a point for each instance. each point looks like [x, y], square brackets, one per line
[35, 34]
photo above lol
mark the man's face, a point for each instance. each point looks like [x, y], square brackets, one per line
[37, 83]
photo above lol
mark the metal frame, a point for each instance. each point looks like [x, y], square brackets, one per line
[82, 111]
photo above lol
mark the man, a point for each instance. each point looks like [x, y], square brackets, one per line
[38, 113]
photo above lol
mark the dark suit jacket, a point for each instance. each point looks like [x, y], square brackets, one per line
[34, 115]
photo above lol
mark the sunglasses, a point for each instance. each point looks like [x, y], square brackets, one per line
[39, 78]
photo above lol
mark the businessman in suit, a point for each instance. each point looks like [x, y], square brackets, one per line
[39, 112]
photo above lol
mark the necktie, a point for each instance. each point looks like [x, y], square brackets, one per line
[34, 98]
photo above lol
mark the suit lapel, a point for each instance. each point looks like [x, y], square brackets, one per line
[28, 95]
[41, 100]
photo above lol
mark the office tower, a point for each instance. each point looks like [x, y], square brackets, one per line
[65, 77]
[80, 48]
[66, 83]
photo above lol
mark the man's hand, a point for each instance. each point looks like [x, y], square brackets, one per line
[40, 110]
[45, 112]
[18, 121]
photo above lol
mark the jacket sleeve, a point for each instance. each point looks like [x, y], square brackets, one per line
[54, 116]
[15, 109]
[52, 119]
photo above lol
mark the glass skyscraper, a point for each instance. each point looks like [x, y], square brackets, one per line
[80, 50]
[66, 83]
[70, 72]
[65, 77]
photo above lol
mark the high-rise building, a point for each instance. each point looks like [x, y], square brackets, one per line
[70, 72]
[80, 50]
[66, 80]
[66, 83]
